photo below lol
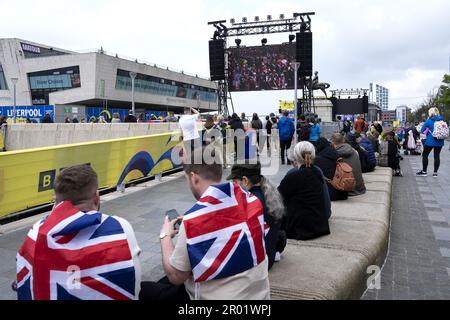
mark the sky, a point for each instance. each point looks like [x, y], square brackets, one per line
[402, 45]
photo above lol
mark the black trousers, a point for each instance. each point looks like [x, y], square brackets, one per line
[162, 290]
[437, 157]
[284, 147]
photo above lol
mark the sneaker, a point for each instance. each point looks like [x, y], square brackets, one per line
[277, 256]
[421, 173]
[435, 175]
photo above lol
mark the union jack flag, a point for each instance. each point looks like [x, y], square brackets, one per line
[93, 245]
[225, 233]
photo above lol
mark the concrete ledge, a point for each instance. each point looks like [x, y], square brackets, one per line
[335, 266]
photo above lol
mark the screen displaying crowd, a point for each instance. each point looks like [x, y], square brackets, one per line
[261, 68]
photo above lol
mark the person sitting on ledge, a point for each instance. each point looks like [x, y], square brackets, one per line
[326, 159]
[303, 194]
[77, 252]
[249, 177]
[219, 253]
[351, 157]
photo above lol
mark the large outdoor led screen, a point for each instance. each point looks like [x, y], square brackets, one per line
[261, 68]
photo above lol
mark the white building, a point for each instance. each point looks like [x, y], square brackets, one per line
[402, 113]
[51, 76]
[380, 96]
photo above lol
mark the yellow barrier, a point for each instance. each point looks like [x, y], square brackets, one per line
[27, 177]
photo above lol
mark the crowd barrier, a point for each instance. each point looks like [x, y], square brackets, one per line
[29, 136]
[340, 266]
[27, 177]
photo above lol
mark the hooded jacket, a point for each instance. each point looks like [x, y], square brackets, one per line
[286, 129]
[431, 141]
[368, 146]
[351, 157]
[326, 160]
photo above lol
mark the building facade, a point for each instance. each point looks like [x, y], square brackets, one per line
[389, 116]
[402, 113]
[380, 96]
[51, 76]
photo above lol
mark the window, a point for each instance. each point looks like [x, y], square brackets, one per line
[158, 86]
[3, 85]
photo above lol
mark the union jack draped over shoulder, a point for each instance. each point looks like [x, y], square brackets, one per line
[74, 255]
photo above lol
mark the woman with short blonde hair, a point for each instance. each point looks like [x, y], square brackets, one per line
[431, 143]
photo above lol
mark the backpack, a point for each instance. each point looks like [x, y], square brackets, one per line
[305, 131]
[343, 179]
[440, 130]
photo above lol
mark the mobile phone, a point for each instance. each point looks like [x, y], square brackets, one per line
[172, 215]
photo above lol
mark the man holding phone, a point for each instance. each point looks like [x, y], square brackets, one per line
[219, 253]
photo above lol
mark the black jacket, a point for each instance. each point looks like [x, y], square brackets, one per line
[326, 160]
[236, 124]
[302, 191]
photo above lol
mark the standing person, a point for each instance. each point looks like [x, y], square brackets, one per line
[351, 157]
[430, 126]
[257, 125]
[303, 194]
[249, 177]
[76, 234]
[191, 136]
[243, 117]
[274, 121]
[359, 124]
[141, 118]
[316, 132]
[286, 131]
[268, 128]
[303, 129]
[75, 119]
[239, 272]
[115, 118]
[3, 126]
[47, 118]
[67, 120]
[130, 118]
[238, 130]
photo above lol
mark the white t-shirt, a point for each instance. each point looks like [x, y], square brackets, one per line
[188, 124]
[252, 284]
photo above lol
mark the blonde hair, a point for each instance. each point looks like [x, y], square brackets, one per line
[433, 112]
[305, 153]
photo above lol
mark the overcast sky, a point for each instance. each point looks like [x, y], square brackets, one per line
[403, 45]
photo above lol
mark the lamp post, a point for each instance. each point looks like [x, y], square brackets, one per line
[133, 76]
[296, 65]
[14, 81]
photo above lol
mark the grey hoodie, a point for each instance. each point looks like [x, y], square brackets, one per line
[351, 157]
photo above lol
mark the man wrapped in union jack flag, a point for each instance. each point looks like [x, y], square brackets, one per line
[78, 253]
[220, 251]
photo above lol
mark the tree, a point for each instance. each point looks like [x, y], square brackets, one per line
[441, 100]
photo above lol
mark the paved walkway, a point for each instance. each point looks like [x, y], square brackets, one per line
[418, 265]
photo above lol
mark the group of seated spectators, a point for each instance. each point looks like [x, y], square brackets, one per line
[227, 242]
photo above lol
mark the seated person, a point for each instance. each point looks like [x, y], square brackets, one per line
[366, 165]
[371, 159]
[249, 177]
[326, 159]
[393, 155]
[303, 194]
[76, 237]
[351, 157]
[219, 253]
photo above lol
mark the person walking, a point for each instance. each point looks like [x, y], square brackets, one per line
[286, 131]
[434, 123]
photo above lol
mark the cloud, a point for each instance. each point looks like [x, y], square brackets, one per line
[401, 44]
